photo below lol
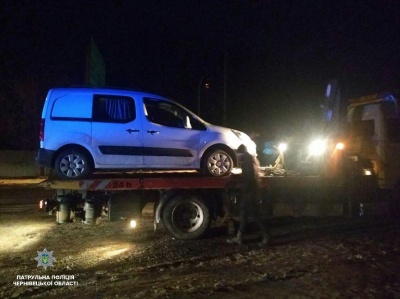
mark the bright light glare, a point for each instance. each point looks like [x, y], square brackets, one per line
[282, 147]
[367, 172]
[317, 147]
[133, 223]
[115, 252]
[340, 146]
[22, 234]
[101, 252]
[236, 170]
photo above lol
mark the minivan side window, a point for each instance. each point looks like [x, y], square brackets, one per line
[116, 109]
[64, 107]
[170, 115]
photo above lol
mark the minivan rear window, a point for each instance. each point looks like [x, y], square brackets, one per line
[119, 109]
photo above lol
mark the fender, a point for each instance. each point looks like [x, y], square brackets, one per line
[164, 197]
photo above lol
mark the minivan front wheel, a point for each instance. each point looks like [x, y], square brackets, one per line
[217, 163]
[72, 164]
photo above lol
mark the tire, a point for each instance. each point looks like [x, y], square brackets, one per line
[186, 217]
[217, 163]
[72, 164]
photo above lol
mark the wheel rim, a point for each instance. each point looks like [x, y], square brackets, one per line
[219, 164]
[187, 217]
[72, 165]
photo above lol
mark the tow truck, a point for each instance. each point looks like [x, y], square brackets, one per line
[352, 171]
[185, 203]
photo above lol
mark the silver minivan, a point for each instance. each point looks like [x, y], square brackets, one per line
[90, 129]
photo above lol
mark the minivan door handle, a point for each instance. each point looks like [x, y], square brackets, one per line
[152, 132]
[132, 131]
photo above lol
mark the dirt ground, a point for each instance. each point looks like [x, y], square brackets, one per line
[307, 258]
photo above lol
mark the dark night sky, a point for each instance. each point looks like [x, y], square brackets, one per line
[279, 54]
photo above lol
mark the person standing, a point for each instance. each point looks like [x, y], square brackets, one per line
[250, 196]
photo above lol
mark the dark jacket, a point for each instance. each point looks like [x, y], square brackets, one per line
[250, 172]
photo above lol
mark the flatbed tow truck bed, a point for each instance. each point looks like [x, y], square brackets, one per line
[185, 202]
[171, 180]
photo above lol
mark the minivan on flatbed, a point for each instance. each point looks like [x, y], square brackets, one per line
[90, 129]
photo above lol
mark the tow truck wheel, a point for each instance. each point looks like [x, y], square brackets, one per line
[217, 163]
[72, 164]
[186, 217]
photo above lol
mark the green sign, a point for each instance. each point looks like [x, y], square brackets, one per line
[95, 66]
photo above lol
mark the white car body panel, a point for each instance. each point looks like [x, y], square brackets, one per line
[68, 121]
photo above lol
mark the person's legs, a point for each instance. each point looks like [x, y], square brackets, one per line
[242, 224]
[253, 212]
[243, 216]
[264, 232]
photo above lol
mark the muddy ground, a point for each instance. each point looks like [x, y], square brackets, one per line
[307, 258]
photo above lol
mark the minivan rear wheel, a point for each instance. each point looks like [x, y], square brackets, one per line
[72, 164]
[217, 163]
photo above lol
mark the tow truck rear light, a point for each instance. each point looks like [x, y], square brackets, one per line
[41, 132]
[47, 205]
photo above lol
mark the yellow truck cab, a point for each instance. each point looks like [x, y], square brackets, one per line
[375, 136]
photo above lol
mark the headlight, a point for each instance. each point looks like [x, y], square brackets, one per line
[367, 171]
[282, 147]
[251, 147]
[317, 148]
[133, 223]
[247, 141]
[339, 146]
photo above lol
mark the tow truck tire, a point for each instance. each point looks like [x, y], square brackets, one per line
[186, 216]
[217, 163]
[72, 164]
